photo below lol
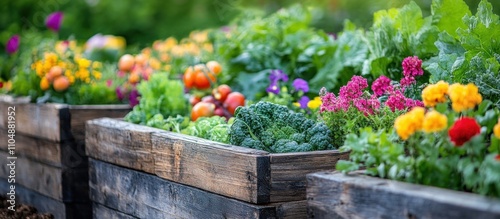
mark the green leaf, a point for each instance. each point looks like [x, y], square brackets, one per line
[346, 166]
[448, 14]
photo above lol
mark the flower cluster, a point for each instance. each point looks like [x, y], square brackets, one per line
[62, 71]
[280, 93]
[412, 67]
[462, 97]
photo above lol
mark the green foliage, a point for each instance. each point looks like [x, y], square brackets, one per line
[431, 158]
[213, 128]
[472, 53]
[395, 35]
[341, 123]
[159, 95]
[272, 127]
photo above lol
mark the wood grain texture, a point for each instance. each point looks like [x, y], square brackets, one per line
[47, 121]
[45, 204]
[335, 195]
[147, 196]
[103, 212]
[61, 184]
[80, 114]
[291, 210]
[42, 150]
[288, 172]
[232, 171]
[120, 143]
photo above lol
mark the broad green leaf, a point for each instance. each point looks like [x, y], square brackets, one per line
[448, 14]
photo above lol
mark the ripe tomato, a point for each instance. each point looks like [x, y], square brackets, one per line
[234, 100]
[220, 93]
[204, 80]
[189, 77]
[126, 62]
[61, 83]
[214, 67]
[134, 78]
[54, 72]
[193, 100]
[202, 109]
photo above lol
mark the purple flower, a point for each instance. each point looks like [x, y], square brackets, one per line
[300, 85]
[119, 93]
[273, 88]
[13, 44]
[412, 66]
[277, 75]
[354, 88]
[381, 85]
[303, 102]
[134, 98]
[54, 21]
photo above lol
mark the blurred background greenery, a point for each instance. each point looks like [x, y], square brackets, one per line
[142, 22]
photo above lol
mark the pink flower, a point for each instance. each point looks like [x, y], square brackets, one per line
[380, 85]
[54, 21]
[407, 81]
[367, 106]
[354, 88]
[109, 83]
[412, 66]
[396, 101]
[13, 44]
[332, 103]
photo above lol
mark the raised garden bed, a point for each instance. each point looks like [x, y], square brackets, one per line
[266, 184]
[49, 151]
[336, 195]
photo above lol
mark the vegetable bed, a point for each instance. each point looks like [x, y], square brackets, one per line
[336, 195]
[49, 144]
[240, 174]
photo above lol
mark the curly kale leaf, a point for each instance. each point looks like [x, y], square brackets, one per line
[272, 127]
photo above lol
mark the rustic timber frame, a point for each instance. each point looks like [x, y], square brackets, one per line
[337, 195]
[247, 176]
[51, 164]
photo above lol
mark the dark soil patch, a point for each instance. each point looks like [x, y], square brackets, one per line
[22, 211]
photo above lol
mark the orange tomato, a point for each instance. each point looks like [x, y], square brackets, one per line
[189, 77]
[220, 93]
[202, 109]
[54, 72]
[61, 83]
[126, 62]
[214, 67]
[204, 79]
[134, 78]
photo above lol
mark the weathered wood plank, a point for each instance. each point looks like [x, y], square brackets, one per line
[288, 172]
[335, 195]
[100, 211]
[147, 196]
[45, 204]
[80, 114]
[120, 143]
[232, 171]
[48, 121]
[62, 184]
[58, 154]
[291, 210]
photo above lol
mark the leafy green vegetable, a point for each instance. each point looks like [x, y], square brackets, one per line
[212, 128]
[272, 127]
[159, 95]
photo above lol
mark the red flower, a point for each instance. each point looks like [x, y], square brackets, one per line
[497, 158]
[463, 130]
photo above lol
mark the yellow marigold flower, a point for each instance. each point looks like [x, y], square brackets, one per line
[297, 104]
[464, 97]
[435, 93]
[314, 103]
[83, 63]
[434, 122]
[496, 129]
[97, 75]
[208, 47]
[170, 42]
[44, 84]
[410, 122]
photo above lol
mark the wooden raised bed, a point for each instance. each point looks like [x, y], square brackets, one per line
[336, 195]
[50, 153]
[241, 175]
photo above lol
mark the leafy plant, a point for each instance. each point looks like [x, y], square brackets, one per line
[449, 148]
[159, 95]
